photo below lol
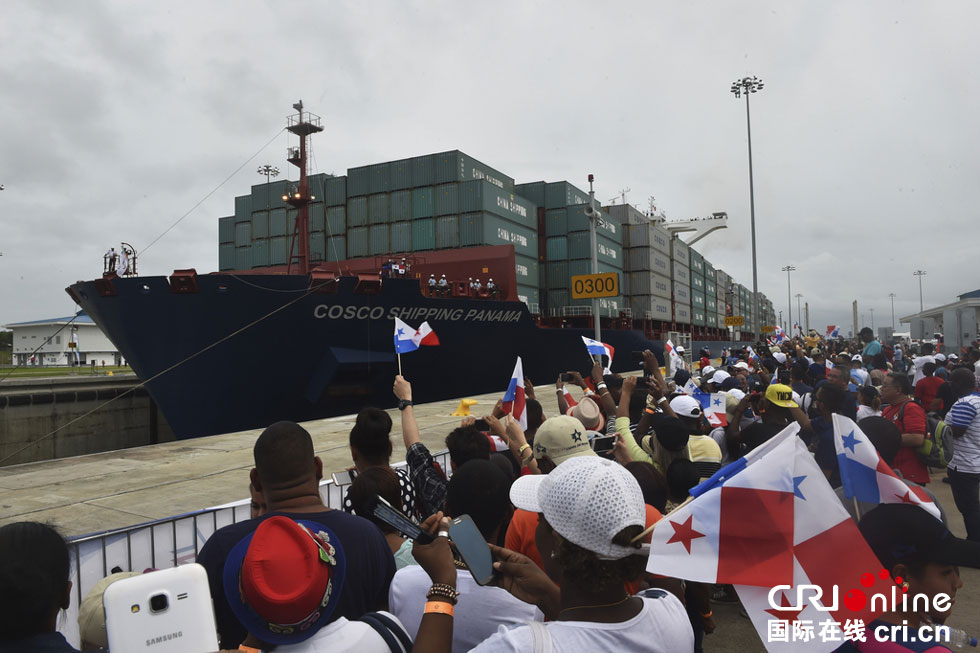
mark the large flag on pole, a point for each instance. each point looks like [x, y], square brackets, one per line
[597, 348]
[514, 398]
[674, 360]
[770, 523]
[866, 477]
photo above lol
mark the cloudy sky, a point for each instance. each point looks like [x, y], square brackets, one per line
[119, 117]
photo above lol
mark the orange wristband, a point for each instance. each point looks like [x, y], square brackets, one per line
[440, 607]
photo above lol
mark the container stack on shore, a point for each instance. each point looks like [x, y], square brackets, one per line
[450, 201]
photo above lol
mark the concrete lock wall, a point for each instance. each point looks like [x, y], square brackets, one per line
[30, 411]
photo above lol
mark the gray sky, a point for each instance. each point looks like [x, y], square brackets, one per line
[118, 117]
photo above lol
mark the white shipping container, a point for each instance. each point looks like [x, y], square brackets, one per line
[682, 293]
[680, 272]
[651, 307]
[648, 283]
[682, 313]
[646, 258]
[680, 252]
[648, 235]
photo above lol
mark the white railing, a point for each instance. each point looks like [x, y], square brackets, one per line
[164, 543]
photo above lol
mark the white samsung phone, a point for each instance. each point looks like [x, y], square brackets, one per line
[166, 611]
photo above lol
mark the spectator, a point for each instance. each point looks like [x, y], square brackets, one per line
[776, 408]
[797, 375]
[858, 373]
[478, 489]
[887, 440]
[370, 446]
[911, 420]
[927, 389]
[287, 473]
[283, 583]
[879, 369]
[256, 506]
[35, 579]
[964, 468]
[871, 346]
[869, 402]
[828, 400]
[382, 482]
[841, 376]
[941, 367]
[682, 475]
[591, 512]
[919, 361]
[914, 546]
[652, 483]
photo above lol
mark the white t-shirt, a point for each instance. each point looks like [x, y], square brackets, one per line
[862, 375]
[866, 411]
[479, 610]
[918, 362]
[661, 626]
[343, 636]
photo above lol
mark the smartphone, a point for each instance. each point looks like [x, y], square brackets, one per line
[472, 548]
[603, 444]
[169, 611]
[390, 515]
[567, 378]
[636, 356]
[345, 477]
[481, 425]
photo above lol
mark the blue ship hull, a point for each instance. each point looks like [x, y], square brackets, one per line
[247, 350]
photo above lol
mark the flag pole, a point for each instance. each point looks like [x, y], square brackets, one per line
[400, 364]
[857, 510]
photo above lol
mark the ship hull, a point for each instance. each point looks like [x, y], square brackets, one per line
[244, 351]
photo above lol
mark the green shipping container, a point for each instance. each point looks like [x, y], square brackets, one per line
[710, 304]
[709, 272]
[260, 253]
[534, 192]
[317, 215]
[610, 227]
[423, 171]
[277, 222]
[278, 250]
[357, 213]
[423, 202]
[697, 317]
[557, 298]
[243, 234]
[447, 199]
[378, 241]
[608, 306]
[243, 208]
[481, 195]
[379, 210]
[447, 231]
[556, 275]
[401, 174]
[226, 230]
[358, 181]
[401, 237]
[336, 191]
[488, 229]
[336, 220]
[336, 248]
[555, 222]
[710, 289]
[531, 296]
[578, 267]
[379, 178]
[455, 166]
[559, 194]
[318, 249]
[357, 242]
[580, 246]
[526, 271]
[269, 196]
[243, 258]
[401, 205]
[226, 256]
[423, 234]
[556, 248]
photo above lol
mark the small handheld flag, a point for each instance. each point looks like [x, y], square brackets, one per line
[597, 348]
[514, 399]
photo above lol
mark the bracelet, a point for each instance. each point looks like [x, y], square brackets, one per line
[662, 400]
[444, 591]
[649, 411]
[708, 616]
[439, 607]
[601, 386]
[520, 452]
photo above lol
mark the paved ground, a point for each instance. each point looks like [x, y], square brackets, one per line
[115, 489]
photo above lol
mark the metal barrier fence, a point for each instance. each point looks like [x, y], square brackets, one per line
[164, 543]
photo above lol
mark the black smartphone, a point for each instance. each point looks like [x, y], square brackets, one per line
[603, 444]
[387, 513]
[636, 356]
[567, 378]
[481, 425]
[472, 548]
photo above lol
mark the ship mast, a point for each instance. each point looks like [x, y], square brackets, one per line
[303, 126]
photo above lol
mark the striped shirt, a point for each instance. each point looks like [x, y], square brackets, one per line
[965, 414]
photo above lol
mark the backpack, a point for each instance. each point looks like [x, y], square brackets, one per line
[391, 632]
[930, 452]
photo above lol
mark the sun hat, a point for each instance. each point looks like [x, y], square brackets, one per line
[561, 438]
[686, 406]
[587, 411]
[91, 613]
[283, 580]
[899, 532]
[780, 395]
[588, 501]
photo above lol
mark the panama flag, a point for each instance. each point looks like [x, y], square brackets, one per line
[408, 339]
[754, 356]
[713, 405]
[778, 334]
[765, 520]
[866, 477]
[832, 331]
[597, 348]
[514, 404]
[675, 362]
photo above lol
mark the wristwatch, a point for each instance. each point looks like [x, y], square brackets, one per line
[404, 403]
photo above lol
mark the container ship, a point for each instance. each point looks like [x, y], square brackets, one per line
[298, 321]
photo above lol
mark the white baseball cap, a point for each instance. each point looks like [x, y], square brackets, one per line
[588, 501]
[953, 357]
[686, 406]
[940, 357]
[780, 357]
[706, 370]
[719, 377]
[857, 357]
[742, 365]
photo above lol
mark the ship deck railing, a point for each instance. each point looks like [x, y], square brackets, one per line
[165, 543]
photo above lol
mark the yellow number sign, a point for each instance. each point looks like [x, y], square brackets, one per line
[588, 286]
[735, 320]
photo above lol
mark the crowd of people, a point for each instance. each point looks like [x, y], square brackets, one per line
[563, 505]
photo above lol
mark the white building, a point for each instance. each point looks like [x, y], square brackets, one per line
[48, 342]
[959, 322]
